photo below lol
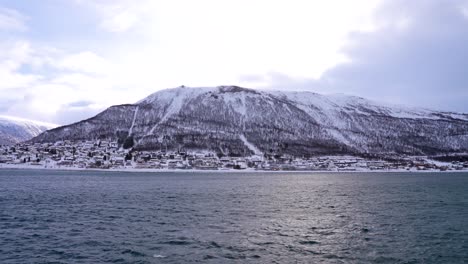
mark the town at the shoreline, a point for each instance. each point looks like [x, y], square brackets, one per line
[102, 154]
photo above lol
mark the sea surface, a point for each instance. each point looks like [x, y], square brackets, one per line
[196, 217]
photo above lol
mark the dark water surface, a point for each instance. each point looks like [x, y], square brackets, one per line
[112, 217]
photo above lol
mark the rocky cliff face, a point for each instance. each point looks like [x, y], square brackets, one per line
[237, 121]
[14, 130]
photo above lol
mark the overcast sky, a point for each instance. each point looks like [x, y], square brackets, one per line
[62, 61]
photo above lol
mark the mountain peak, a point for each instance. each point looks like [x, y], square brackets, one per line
[234, 89]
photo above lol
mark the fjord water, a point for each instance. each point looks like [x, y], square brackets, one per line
[117, 217]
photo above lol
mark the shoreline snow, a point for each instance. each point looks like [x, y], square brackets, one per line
[135, 170]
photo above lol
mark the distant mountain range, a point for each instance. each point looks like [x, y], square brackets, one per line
[237, 121]
[14, 130]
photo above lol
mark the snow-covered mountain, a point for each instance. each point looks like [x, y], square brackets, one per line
[237, 121]
[14, 130]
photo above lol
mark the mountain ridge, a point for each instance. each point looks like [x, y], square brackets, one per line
[238, 121]
[15, 130]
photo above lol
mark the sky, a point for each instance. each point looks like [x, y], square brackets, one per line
[65, 60]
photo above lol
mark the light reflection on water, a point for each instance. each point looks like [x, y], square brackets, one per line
[91, 217]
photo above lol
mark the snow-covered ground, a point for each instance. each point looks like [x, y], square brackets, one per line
[358, 167]
[248, 170]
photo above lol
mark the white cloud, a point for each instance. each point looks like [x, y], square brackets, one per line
[59, 78]
[12, 20]
[464, 10]
[14, 56]
[119, 16]
[85, 61]
[162, 44]
[299, 37]
[120, 22]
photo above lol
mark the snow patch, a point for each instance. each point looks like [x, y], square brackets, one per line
[250, 145]
[338, 136]
[236, 101]
[177, 98]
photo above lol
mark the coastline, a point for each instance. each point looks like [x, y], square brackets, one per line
[248, 170]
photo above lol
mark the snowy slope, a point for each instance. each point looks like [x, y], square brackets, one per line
[240, 121]
[14, 130]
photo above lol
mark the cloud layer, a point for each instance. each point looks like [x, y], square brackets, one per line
[417, 55]
[12, 20]
[119, 51]
[111, 52]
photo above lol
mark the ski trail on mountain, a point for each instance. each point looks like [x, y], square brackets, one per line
[174, 107]
[251, 146]
[170, 110]
[244, 112]
[133, 122]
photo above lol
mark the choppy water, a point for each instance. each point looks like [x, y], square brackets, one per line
[93, 217]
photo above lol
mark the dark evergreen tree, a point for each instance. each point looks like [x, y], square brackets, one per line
[128, 143]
